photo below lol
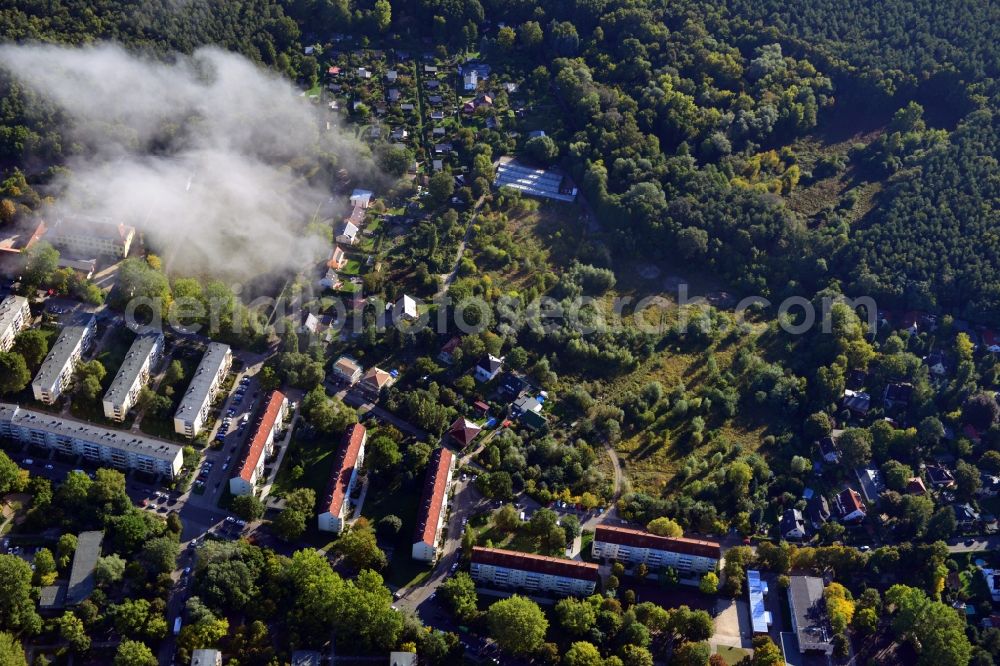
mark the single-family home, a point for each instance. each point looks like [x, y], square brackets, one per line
[829, 451]
[374, 381]
[939, 476]
[463, 431]
[937, 363]
[446, 355]
[362, 198]
[391, 76]
[470, 80]
[818, 511]
[966, 517]
[405, 309]
[858, 402]
[897, 395]
[348, 370]
[529, 412]
[850, 507]
[364, 73]
[915, 486]
[488, 368]
[792, 525]
[347, 233]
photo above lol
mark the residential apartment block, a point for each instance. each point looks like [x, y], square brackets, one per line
[87, 237]
[133, 374]
[495, 567]
[193, 410]
[433, 505]
[57, 368]
[116, 448]
[14, 318]
[687, 556]
[261, 444]
[343, 478]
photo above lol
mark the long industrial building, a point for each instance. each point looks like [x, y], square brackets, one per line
[57, 368]
[115, 448]
[505, 569]
[14, 317]
[261, 443]
[433, 505]
[133, 374]
[193, 410]
[342, 479]
[687, 556]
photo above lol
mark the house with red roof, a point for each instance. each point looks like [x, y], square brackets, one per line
[463, 431]
[343, 479]
[433, 505]
[631, 546]
[260, 445]
[850, 506]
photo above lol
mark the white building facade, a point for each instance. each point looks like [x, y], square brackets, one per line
[633, 547]
[15, 315]
[133, 374]
[57, 368]
[194, 407]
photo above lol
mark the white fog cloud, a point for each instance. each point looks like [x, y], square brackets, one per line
[193, 152]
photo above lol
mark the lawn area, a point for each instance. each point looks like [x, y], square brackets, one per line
[732, 655]
[113, 353]
[403, 502]
[314, 456]
[352, 267]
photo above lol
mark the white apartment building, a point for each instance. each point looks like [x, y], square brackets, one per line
[260, 446]
[632, 547]
[88, 237]
[193, 410]
[57, 368]
[506, 569]
[343, 478]
[14, 318]
[133, 374]
[115, 448]
[433, 505]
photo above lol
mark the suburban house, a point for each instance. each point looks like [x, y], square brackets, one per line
[629, 546]
[792, 525]
[858, 402]
[966, 517]
[512, 386]
[470, 80]
[405, 309]
[433, 505]
[818, 511]
[528, 411]
[507, 569]
[939, 476]
[260, 446]
[850, 507]
[347, 232]
[488, 368]
[194, 406]
[463, 431]
[347, 369]
[15, 316]
[361, 198]
[915, 486]
[808, 612]
[343, 477]
[56, 371]
[337, 259]
[446, 355]
[206, 657]
[374, 381]
[937, 364]
[133, 374]
[829, 451]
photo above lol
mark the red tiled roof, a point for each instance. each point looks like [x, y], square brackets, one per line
[433, 497]
[343, 467]
[463, 431]
[552, 566]
[850, 500]
[261, 431]
[641, 539]
[451, 345]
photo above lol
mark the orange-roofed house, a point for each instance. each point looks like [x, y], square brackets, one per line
[374, 381]
[337, 259]
[260, 445]
[343, 478]
[433, 505]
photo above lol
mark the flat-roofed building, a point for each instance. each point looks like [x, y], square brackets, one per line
[206, 657]
[808, 611]
[760, 617]
[193, 410]
[133, 374]
[495, 567]
[86, 237]
[14, 318]
[343, 478]
[348, 370]
[115, 448]
[81, 574]
[57, 368]
[690, 556]
[261, 444]
[433, 505]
